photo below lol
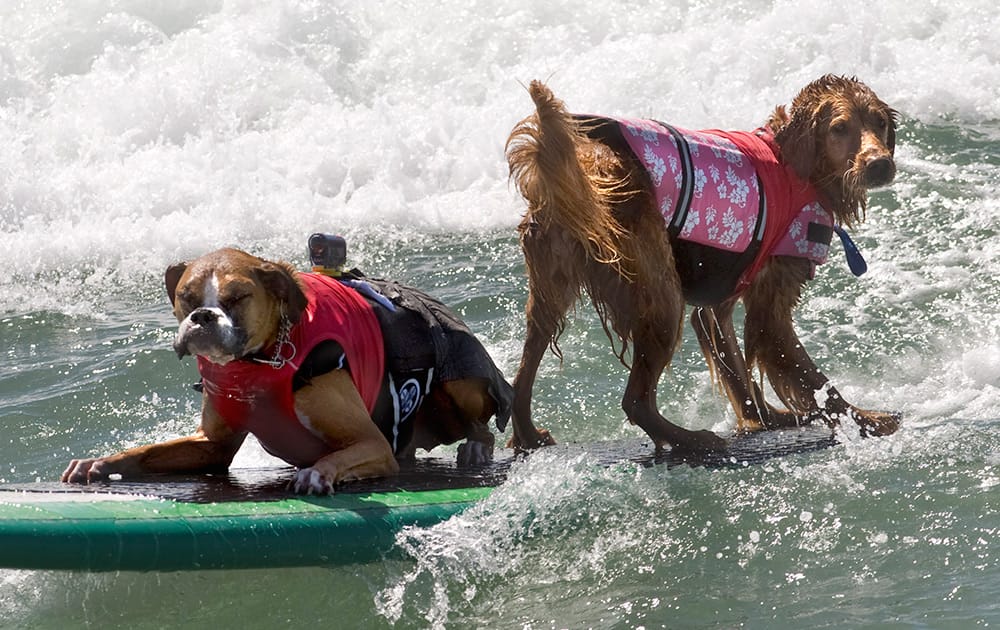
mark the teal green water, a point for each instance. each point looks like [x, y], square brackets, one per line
[136, 134]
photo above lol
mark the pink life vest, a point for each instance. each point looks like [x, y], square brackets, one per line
[256, 397]
[708, 185]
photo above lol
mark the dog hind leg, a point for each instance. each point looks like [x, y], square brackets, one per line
[650, 306]
[525, 434]
[652, 351]
[473, 407]
[552, 260]
[452, 411]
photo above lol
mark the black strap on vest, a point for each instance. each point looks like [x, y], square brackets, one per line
[684, 195]
[819, 233]
[683, 203]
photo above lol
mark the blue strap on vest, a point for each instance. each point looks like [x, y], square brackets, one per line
[854, 258]
[368, 291]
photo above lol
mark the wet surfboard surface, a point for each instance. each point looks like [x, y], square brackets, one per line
[247, 518]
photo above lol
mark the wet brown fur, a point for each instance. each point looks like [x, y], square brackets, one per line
[591, 224]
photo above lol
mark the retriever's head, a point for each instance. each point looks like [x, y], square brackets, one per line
[840, 136]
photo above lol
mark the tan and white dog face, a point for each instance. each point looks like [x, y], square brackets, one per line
[230, 304]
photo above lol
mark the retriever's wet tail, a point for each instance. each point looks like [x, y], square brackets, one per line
[555, 167]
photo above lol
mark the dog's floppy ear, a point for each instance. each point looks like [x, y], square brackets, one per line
[890, 140]
[172, 277]
[797, 139]
[279, 280]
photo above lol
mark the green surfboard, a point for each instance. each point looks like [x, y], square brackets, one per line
[247, 518]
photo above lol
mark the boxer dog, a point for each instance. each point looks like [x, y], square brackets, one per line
[339, 379]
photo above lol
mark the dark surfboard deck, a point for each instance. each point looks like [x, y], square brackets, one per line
[247, 518]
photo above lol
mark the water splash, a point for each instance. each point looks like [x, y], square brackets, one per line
[557, 519]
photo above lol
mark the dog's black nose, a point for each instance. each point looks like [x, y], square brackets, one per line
[880, 172]
[204, 316]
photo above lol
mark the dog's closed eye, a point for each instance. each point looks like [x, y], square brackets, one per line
[186, 300]
[234, 300]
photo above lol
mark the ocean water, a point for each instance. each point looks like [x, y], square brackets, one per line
[136, 133]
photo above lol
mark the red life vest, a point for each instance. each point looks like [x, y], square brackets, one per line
[789, 198]
[256, 397]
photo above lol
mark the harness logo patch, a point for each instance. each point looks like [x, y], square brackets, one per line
[409, 398]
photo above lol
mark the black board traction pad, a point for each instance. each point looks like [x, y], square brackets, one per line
[248, 519]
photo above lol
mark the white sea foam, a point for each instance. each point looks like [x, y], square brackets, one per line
[132, 133]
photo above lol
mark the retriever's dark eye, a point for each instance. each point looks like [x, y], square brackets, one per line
[839, 128]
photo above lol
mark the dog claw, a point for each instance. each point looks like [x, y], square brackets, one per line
[473, 453]
[542, 438]
[310, 481]
[878, 424]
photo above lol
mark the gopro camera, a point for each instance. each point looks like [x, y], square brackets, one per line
[328, 253]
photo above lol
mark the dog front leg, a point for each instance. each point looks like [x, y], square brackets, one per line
[332, 408]
[773, 345]
[652, 351]
[194, 453]
[211, 448]
[714, 328]
[363, 460]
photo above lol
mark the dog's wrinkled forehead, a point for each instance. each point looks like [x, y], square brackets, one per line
[212, 279]
[202, 289]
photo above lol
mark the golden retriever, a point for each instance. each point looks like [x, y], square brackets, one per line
[597, 220]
